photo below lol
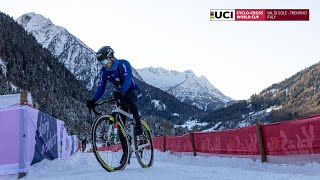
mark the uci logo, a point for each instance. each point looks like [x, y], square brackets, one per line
[222, 15]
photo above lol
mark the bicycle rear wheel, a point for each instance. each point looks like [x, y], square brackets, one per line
[144, 145]
[112, 154]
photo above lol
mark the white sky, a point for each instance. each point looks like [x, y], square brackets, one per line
[239, 58]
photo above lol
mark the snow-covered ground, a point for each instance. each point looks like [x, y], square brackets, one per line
[190, 124]
[168, 166]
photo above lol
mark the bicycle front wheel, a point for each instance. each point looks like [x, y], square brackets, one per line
[144, 147]
[110, 146]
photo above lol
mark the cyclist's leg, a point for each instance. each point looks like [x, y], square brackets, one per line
[130, 101]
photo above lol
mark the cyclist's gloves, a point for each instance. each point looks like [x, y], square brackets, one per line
[118, 95]
[90, 104]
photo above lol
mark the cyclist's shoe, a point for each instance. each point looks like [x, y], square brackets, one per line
[138, 130]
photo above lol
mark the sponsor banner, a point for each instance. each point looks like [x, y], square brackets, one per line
[76, 142]
[300, 136]
[64, 144]
[10, 140]
[17, 138]
[46, 138]
[157, 142]
[60, 130]
[178, 143]
[27, 136]
[69, 146]
[31, 117]
[113, 148]
[243, 141]
[259, 14]
[294, 141]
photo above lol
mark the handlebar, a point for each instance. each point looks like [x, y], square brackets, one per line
[110, 101]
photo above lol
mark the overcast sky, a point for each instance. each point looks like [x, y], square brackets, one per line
[238, 58]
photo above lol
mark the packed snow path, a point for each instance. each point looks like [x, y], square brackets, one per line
[83, 166]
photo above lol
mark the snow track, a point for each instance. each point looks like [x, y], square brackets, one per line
[168, 166]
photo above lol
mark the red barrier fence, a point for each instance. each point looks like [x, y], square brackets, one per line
[293, 141]
[114, 148]
[300, 136]
[238, 141]
[157, 143]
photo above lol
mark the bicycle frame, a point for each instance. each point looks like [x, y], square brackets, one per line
[116, 111]
[142, 144]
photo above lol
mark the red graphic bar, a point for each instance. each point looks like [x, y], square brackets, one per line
[250, 15]
[272, 14]
[287, 14]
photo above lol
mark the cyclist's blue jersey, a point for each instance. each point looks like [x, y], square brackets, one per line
[120, 75]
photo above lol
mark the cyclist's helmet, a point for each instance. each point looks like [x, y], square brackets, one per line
[104, 53]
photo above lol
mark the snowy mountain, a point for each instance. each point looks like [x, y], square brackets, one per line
[293, 98]
[25, 64]
[69, 50]
[77, 57]
[187, 87]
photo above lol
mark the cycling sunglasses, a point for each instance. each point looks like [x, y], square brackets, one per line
[104, 62]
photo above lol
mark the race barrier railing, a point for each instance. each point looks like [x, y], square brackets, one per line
[27, 136]
[294, 141]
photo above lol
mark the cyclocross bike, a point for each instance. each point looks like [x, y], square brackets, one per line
[113, 141]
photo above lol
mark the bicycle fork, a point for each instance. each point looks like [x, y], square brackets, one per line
[115, 132]
[109, 134]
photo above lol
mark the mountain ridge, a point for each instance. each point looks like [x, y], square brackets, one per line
[29, 66]
[187, 87]
[295, 97]
[147, 102]
[67, 48]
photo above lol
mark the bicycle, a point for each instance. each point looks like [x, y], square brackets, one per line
[111, 138]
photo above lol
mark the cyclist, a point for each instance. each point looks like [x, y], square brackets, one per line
[118, 72]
